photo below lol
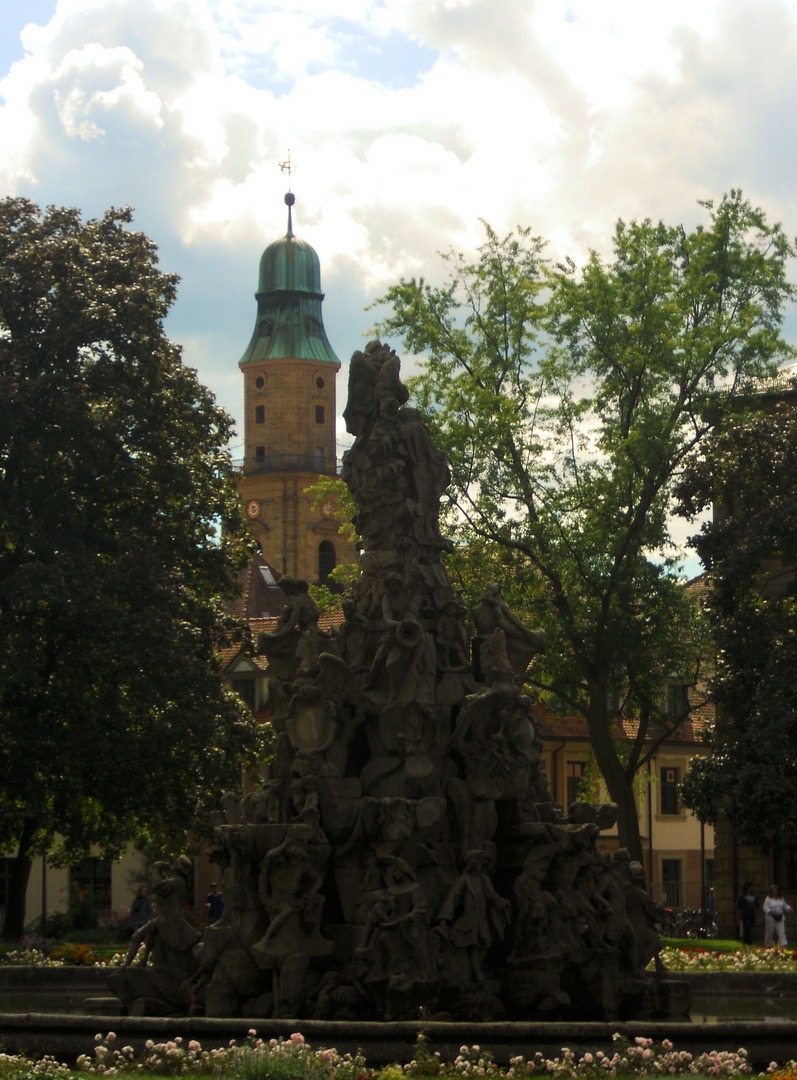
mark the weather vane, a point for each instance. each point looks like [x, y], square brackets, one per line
[285, 166]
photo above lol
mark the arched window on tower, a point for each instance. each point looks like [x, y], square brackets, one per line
[327, 561]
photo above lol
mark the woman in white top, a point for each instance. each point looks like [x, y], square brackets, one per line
[775, 911]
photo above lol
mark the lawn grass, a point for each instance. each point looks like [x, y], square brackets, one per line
[724, 945]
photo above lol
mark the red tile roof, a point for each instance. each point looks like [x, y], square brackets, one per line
[573, 728]
[261, 596]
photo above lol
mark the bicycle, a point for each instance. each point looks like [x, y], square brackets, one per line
[694, 923]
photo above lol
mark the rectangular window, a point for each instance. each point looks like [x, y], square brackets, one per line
[260, 453]
[575, 770]
[671, 882]
[245, 689]
[669, 780]
[319, 414]
[260, 414]
[89, 887]
[320, 458]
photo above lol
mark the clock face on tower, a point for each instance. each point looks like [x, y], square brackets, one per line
[253, 508]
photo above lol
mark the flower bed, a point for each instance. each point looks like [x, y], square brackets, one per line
[764, 961]
[61, 956]
[294, 1059]
[687, 958]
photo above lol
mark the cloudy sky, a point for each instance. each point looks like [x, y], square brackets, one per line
[407, 121]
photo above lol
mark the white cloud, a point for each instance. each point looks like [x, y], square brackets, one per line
[117, 84]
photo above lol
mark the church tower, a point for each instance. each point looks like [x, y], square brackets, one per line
[289, 371]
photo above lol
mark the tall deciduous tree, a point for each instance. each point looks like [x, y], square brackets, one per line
[114, 480]
[567, 401]
[749, 472]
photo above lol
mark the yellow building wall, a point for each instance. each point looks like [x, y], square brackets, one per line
[288, 444]
[289, 392]
[48, 888]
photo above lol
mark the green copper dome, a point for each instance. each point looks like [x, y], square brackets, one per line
[290, 263]
[289, 321]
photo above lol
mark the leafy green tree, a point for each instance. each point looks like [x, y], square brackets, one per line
[567, 401]
[749, 472]
[114, 485]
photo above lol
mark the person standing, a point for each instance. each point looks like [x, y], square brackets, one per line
[141, 909]
[214, 903]
[746, 908]
[775, 911]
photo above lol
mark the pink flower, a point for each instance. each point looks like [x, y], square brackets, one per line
[297, 1039]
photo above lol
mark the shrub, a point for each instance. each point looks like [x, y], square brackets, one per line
[37, 943]
[81, 955]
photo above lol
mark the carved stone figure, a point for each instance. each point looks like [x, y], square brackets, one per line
[290, 887]
[495, 736]
[227, 981]
[522, 645]
[646, 917]
[473, 916]
[397, 960]
[352, 635]
[281, 645]
[152, 979]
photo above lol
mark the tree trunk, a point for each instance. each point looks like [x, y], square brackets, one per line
[14, 925]
[619, 786]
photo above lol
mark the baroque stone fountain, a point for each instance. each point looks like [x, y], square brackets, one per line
[406, 852]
